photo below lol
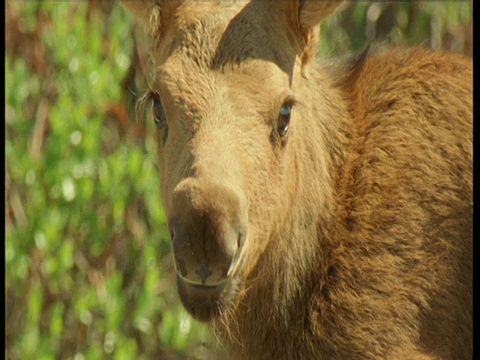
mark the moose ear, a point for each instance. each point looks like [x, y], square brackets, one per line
[140, 9]
[313, 12]
[147, 12]
[307, 16]
[153, 14]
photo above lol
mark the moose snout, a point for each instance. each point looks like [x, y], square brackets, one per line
[208, 229]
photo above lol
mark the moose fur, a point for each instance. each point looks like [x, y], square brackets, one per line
[359, 220]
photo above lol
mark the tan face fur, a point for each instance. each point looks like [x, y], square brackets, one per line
[223, 76]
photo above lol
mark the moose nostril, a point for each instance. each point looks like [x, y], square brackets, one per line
[229, 270]
[204, 272]
[240, 241]
[181, 268]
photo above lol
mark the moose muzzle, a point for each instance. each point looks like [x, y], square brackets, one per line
[207, 224]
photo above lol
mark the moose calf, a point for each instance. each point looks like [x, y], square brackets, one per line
[317, 209]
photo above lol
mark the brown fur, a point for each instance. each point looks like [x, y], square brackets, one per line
[359, 238]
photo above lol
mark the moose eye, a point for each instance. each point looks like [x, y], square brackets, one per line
[158, 113]
[283, 122]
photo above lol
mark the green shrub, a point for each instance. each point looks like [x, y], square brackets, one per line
[84, 266]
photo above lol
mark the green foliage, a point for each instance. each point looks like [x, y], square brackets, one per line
[84, 266]
[88, 271]
[428, 23]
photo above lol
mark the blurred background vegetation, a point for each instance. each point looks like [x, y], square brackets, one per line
[88, 271]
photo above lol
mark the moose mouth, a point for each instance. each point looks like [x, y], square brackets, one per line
[205, 302]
